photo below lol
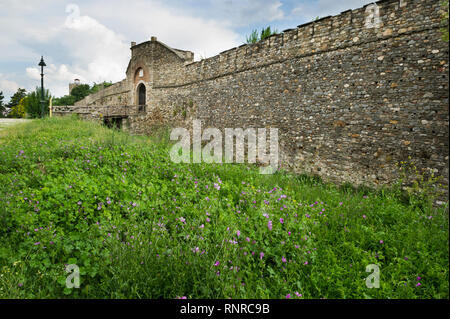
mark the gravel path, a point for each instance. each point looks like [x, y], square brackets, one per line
[8, 122]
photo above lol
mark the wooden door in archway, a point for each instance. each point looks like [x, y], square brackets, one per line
[141, 94]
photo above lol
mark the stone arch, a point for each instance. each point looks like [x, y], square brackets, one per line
[141, 94]
[139, 75]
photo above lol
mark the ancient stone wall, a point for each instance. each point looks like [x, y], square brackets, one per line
[351, 97]
[116, 94]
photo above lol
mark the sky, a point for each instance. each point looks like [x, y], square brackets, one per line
[90, 39]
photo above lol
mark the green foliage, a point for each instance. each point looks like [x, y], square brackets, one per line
[97, 87]
[80, 92]
[33, 103]
[183, 109]
[141, 226]
[253, 37]
[64, 100]
[256, 37]
[445, 23]
[419, 187]
[18, 111]
[15, 99]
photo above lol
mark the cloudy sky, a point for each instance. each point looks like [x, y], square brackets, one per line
[90, 40]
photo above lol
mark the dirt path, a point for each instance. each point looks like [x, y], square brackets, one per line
[8, 122]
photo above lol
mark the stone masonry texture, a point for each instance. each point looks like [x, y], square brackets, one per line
[349, 100]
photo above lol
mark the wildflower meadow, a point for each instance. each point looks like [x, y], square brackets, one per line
[140, 226]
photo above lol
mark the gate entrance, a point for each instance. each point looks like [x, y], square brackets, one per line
[141, 94]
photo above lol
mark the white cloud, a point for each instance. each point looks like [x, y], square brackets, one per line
[57, 78]
[173, 26]
[33, 73]
[75, 44]
[93, 53]
[98, 53]
[8, 87]
[91, 41]
[246, 12]
[321, 8]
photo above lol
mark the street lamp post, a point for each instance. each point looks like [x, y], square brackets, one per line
[42, 64]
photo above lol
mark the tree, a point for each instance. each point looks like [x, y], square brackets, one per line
[265, 33]
[80, 92]
[2, 106]
[97, 87]
[15, 99]
[64, 100]
[33, 103]
[18, 111]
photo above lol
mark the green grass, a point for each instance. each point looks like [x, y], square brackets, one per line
[140, 226]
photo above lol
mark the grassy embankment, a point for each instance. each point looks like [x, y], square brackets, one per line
[140, 226]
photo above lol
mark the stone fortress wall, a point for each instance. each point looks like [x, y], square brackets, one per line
[350, 95]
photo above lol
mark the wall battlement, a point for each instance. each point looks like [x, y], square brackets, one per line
[398, 18]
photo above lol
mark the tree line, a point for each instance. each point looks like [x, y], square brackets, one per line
[28, 104]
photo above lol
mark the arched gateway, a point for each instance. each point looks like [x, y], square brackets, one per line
[141, 93]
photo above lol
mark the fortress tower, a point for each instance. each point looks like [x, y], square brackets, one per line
[75, 83]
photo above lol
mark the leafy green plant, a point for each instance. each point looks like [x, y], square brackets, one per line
[253, 37]
[32, 103]
[18, 111]
[141, 226]
[80, 92]
[422, 187]
[256, 36]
